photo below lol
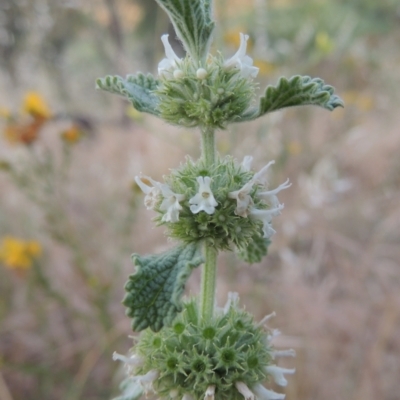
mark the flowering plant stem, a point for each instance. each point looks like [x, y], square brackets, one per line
[209, 273]
[208, 283]
[208, 146]
[193, 350]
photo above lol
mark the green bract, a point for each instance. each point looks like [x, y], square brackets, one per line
[193, 355]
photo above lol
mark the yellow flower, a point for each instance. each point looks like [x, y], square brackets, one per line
[35, 106]
[72, 135]
[23, 133]
[25, 128]
[19, 254]
[324, 43]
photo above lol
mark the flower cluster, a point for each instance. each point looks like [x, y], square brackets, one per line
[170, 66]
[170, 201]
[228, 357]
[25, 128]
[210, 95]
[220, 204]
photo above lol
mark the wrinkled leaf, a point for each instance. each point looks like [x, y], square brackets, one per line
[193, 24]
[154, 292]
[296, 91]
[138, 89]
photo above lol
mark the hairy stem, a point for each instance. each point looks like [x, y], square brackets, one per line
[209, 273]
[208, 151]
[208, 283]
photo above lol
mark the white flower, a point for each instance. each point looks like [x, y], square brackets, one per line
[260, 176]
[210, 392]
[132, 389]
[243, 199]
[267, 318]
[187, 396]
[264, 394]
[131, 359]
[270, 195]
[151, 192]
[246, 163]
[167, 65]
[272, 335]
[204, 200]
[147, 380]
[244, 390]
[233, 301]
[245, 202]
[170, 204]
[241, 60]
[277, 374]
[266, 217]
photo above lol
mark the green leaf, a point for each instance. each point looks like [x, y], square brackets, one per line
[296, 91]
[138, 89]
[154, 292]
[255, 250]
[193, 24]
[131, 389]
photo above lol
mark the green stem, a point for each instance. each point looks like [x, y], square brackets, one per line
[208, 151]
[208, 283]
[209, 273]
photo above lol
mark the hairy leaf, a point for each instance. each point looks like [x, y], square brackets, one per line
[138, 89]
[193, 24]
[296, 91]
[154, 292]
[255, 250]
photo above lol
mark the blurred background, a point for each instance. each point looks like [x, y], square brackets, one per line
[70, 215]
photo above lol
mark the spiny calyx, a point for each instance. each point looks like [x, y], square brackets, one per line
[227, 357]
[224, 205]
[210, 94]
